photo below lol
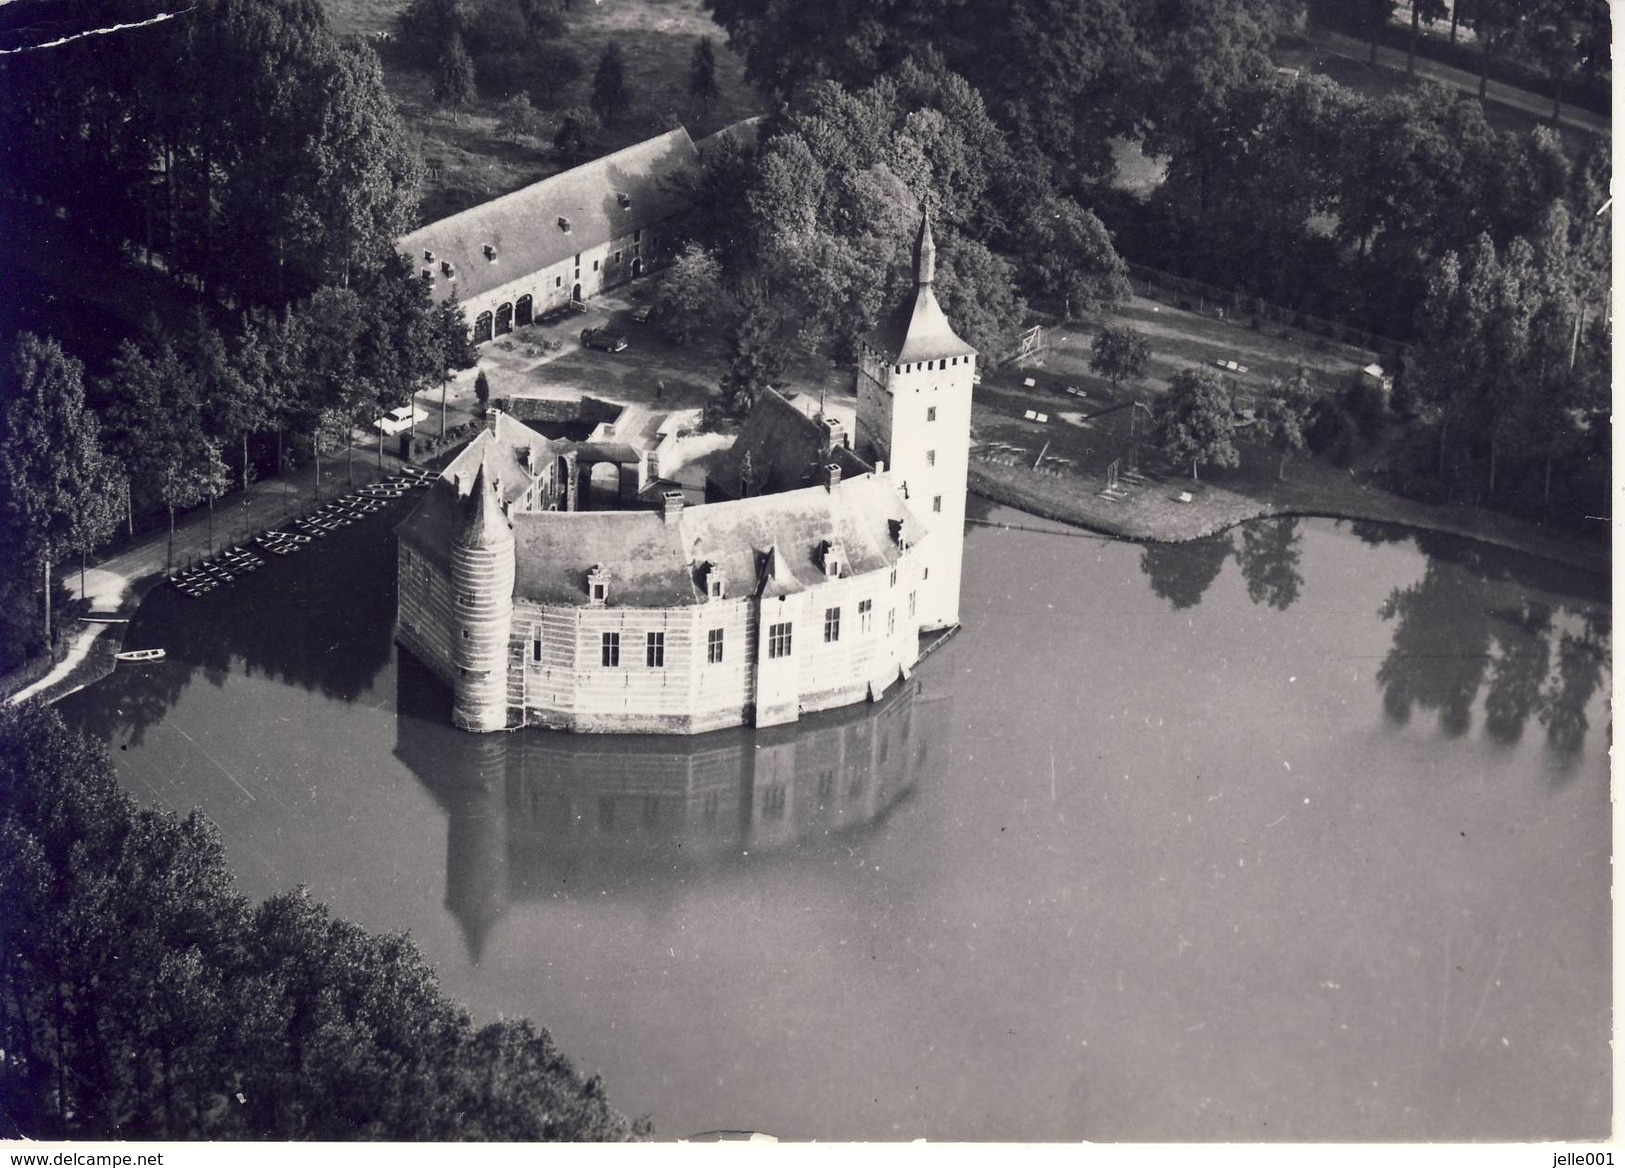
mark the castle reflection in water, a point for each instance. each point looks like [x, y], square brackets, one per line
[536, 814]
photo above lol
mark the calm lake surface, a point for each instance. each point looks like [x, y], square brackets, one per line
[1300, 833]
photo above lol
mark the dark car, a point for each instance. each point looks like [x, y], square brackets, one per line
[606, 339]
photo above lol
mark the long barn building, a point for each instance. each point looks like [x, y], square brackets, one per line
[568, 237]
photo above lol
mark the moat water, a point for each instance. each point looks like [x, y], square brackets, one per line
[1299, 833]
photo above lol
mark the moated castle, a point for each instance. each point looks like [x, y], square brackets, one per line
[810, 590]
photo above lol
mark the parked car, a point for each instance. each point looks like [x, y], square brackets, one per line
[606, 339]
[642, 313]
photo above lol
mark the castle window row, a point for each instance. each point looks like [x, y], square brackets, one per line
[916, 366]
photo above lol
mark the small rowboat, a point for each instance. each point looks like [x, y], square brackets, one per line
[139, 655]
[96, 619]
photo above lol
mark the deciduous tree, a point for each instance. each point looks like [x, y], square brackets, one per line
[61, 491]
[702, 75]
[454, 84]
[1194, 422]
[611, 98]
[1119, 353]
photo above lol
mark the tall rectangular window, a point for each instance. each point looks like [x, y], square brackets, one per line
[894, 577]
[891, 621]
[866, 615]
[612, 649]
[930, 458]
[713, 646]
[936, 503]
[536, 643]
[930, 413]
[778, 640]
[832, 624]
[911, 604]
[654, 652]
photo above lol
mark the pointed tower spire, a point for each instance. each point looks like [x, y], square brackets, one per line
[486, 526]
[925, 251]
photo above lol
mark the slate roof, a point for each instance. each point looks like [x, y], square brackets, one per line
[919, 330]
[652, 562]
[786, 447]
[523, 225]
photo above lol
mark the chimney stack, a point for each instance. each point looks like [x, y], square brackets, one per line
[491, 416]
[672, 505]
[832, 475]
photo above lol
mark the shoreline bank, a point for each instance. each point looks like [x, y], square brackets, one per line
[1215, 509]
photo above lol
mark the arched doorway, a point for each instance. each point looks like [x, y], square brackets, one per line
[575, 293]
[603, 487]
[504, 318]
[637, 267]
[524, 311]
[482, 327]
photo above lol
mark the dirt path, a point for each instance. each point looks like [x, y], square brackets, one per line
[116, 585]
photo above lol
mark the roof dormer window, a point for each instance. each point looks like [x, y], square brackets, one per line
[490, 253]
[564, 225]
[428, 255]
[598, 584]
[428, 275]
[448, 269]
[716, 582]
[624, 199]
[833, 556]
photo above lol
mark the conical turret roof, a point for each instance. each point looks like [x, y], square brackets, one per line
[919, 330]
[486, 526]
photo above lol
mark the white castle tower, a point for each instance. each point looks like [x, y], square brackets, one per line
[482, 572]
[914, 396]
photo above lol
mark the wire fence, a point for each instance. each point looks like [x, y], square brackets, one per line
[1228, 303]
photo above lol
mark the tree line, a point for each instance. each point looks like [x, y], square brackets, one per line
[260, 158]
[180, 416]
[800, 242]
[142, 998]
[1383, 212]
[241, 144]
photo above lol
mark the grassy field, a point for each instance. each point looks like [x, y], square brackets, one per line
[469, 161]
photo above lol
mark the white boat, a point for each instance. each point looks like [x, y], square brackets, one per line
[139, 655]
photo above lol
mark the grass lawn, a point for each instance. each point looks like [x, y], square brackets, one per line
[469, 161]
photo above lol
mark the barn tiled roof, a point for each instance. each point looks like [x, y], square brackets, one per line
[522, 226]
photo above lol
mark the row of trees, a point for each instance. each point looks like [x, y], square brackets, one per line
[142, 998]
[241, 141]
[1309, 194]
[1569, 40]
[177, 412]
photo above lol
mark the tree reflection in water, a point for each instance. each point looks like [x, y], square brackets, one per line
[1470, 624]
[1181, 572]
[1269, 557]
[321, 620]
